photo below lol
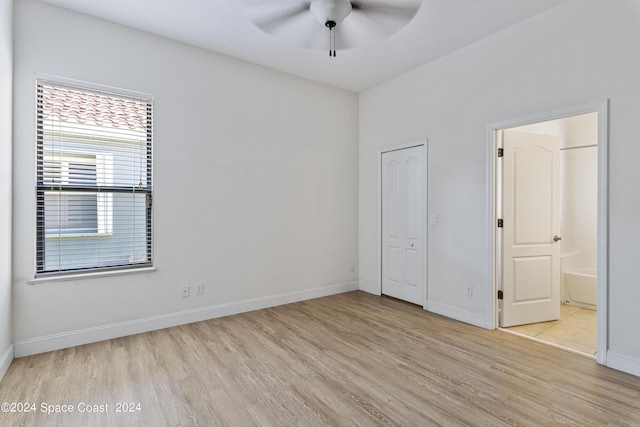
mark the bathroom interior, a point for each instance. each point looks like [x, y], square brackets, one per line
[576, 329]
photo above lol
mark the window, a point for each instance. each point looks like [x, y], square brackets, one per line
[94, 192]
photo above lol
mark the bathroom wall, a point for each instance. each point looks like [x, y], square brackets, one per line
[579, 159]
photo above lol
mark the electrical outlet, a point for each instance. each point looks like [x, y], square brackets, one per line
[199, 288]
[185, 291]
[352, 267]
[469, 291]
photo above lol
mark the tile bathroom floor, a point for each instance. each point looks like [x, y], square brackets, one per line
[575, 330]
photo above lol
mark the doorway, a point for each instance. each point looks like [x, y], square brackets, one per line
[549, 205]
[402, 210]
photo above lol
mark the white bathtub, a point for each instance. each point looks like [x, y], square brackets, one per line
[580, 287]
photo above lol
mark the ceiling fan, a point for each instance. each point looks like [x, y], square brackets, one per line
[358, 21]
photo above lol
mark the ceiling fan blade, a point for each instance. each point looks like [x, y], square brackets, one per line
[271, 21]
[401, 12]
[376, 21]
[292, 20]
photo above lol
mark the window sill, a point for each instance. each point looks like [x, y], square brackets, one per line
[90, 275]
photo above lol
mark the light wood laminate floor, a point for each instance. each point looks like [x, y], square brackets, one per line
[349, 359]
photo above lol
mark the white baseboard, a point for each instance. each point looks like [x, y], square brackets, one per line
[371, 288]
[624, 363]
[457, 314]
[85, 336]
[5, 361]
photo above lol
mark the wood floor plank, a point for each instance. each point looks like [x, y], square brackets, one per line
[349, 359]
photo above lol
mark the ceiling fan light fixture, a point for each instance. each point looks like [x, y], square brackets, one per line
[330, 12]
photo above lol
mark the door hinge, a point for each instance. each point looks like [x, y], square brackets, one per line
[500, 152]
[500, 295]
[500, 222]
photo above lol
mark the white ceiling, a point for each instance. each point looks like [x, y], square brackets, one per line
[225, 26]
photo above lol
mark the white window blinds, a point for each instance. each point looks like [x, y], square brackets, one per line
[94, 180]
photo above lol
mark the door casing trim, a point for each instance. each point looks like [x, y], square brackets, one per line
[602, 108]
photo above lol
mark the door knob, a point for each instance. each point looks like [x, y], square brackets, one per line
[556, 238]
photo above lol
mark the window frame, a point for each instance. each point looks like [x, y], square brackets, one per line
[104, 183]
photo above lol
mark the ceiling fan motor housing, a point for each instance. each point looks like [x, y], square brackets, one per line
[330, 12]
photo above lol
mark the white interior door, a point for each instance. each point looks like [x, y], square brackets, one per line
[531, 214]
[403, 224]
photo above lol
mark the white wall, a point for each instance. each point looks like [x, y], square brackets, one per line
[255, 182]
[576, 53]
[6, 72]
